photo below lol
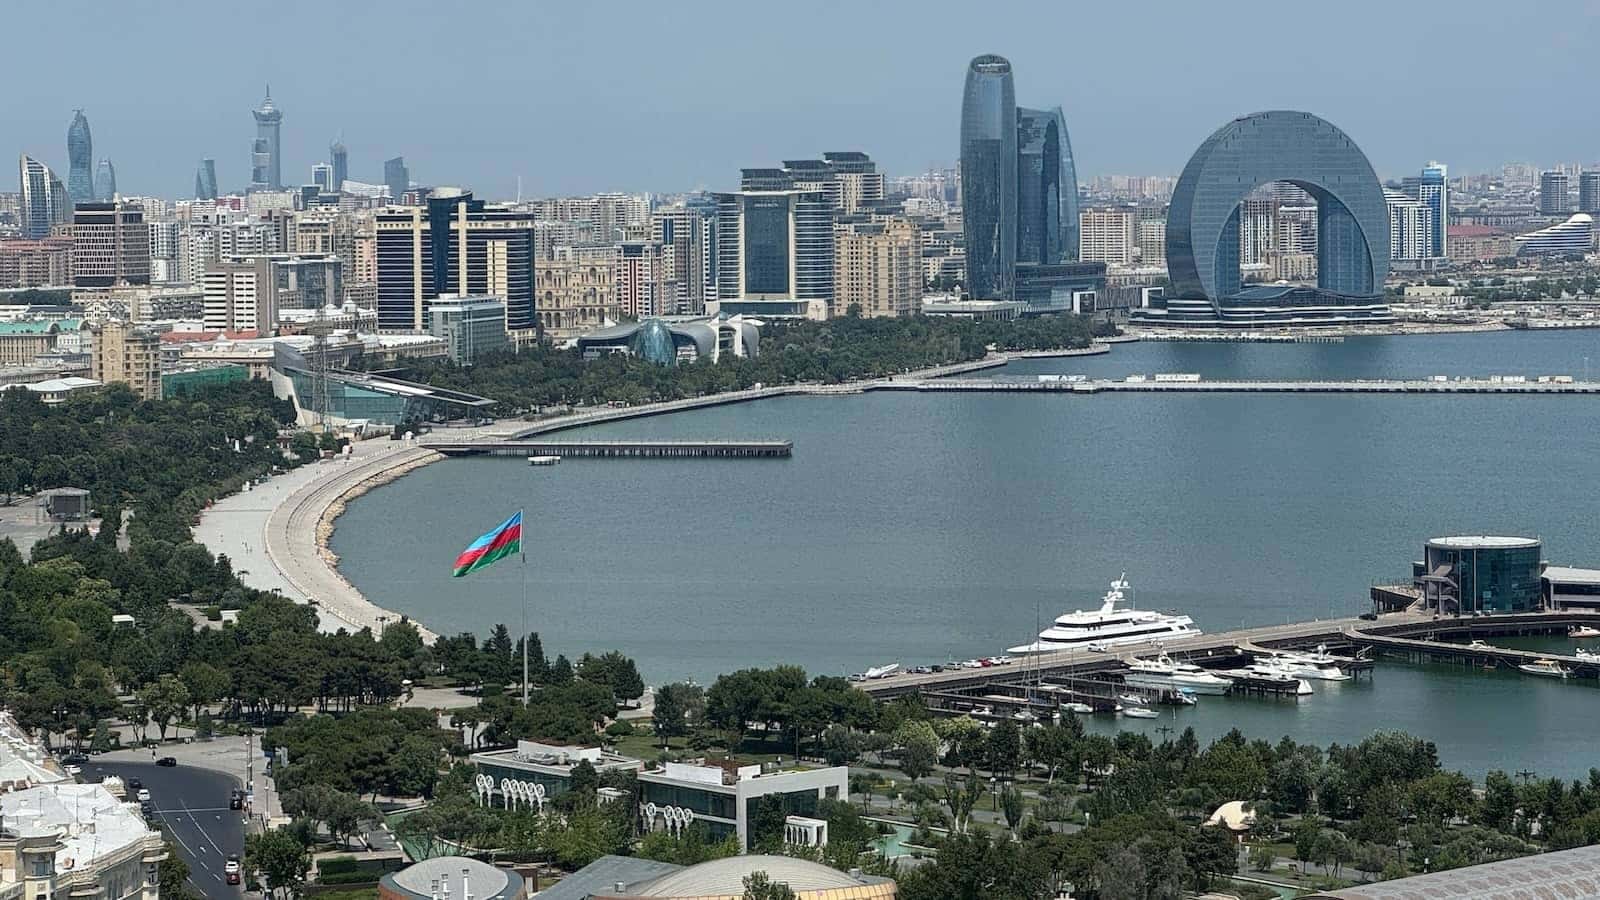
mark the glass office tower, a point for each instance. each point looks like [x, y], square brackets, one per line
[989, 178]
[80, 157]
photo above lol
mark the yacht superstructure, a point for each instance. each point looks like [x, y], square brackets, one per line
[1110, 626]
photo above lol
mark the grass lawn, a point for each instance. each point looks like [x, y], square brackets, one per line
[352, 894]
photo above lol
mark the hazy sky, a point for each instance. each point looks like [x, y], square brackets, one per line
[585, 96]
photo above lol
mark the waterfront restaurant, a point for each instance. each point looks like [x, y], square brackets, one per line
[1470, 574]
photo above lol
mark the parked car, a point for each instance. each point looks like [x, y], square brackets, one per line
[236, 799]
[167, 761]
[144, 795]
[74, 759]
[135, 784]
[1097, 647]
[230, 869]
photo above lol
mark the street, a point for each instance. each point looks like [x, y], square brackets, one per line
[191, 806]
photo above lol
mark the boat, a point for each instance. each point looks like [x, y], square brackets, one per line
[1164, 672]
[1185, 698]
[1305, 669]
[876, 672]
[1079, 708]
[1583, 631]
[1587, 655]
[1140, 712]
[1547, 667]
[543, 460]
[1479, 645]
[1266, 673]
[1132, 699]
[1109, 627]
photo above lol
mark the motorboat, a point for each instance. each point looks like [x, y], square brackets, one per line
[1132, 699]
[1546, 667]
[1185, 698]
[1312, 670]
[543, 460]
[876, 672]
[1163, 672]
[1081, 709]
[1587, 655]
[1479, 645]
[1140, 712]
[1583, 631]
[1265, 672]
[1110, 626]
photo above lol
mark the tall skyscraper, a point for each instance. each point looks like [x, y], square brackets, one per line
[1433, 191]
[680, 231]
[105, 182]
[398, 179]
[80, 159]
[775, 253]
[1589, 192]
[421, 255]
[1039, 191]
[989, 178]
[266, 159]
[340, 158]
[1553, 187]
[205, 180]
[1107, 235]
[322, 177]
[1411, 226]
[43, 201]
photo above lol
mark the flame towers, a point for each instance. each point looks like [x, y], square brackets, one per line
[989, 177]
[80, 157]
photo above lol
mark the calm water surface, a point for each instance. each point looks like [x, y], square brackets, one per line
[919, 528]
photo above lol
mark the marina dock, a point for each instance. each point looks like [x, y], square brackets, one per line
[1200, 386]
[1041, 681]
[616, 449]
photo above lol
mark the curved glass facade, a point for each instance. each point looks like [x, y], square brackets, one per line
[1297, 147]
[653, 341]
[205, 180]
[989, 178]
[80, 157]
[105, 182]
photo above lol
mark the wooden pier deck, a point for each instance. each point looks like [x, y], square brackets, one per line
[617, 449]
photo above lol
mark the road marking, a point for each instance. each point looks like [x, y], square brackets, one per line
[203, 832]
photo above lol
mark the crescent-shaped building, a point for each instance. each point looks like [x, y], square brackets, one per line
[1203, 228]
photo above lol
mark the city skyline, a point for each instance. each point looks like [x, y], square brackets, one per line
[1134, 98]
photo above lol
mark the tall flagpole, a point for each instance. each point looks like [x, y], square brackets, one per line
[522, 545]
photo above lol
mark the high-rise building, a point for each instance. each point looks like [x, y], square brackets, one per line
[205, 180]
[43, 201]
[1411, 226]
[1433, 191]
[80, 160]
[42, 263]
[775, 253]
[577, 291]
[1151, 235]
[326, 230]
[1047, 189]
[397, 178]
[105, 182]
[643, 289]
[1553, 186]
[453, 244]
[266, 158]
[130, 355]
[322, 177]
[246, 293]
[110, 245]
[989, 178]
[1106, 235]
[681, 233]
[340, 158]
[1589, 192]
[849, 179]
[877, 269]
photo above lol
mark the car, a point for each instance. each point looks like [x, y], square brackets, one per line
[144, 795]
[236, 799]
[1097, 647]
[74, 770]
[1368, 617]
[134, 784]
[167, 761]
[936, 668]
[74, 759]
[230, 869]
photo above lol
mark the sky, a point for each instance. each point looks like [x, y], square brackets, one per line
[578, 97]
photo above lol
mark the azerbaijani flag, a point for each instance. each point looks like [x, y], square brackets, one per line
[503, 541]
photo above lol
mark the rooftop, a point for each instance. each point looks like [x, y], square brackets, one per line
[460, 873]
[1567, 873]
[90, 822]
[725, 877]
[1482, 542]
[24, 762]
[1571, 575]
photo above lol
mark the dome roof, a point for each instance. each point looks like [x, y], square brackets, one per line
[486, 881]
[725, 877]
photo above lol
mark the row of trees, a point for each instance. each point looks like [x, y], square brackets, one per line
[837, 350]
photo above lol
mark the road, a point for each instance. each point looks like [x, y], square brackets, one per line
[191, 806]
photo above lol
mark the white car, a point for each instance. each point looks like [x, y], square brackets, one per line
[1097, 647]
[144, 795]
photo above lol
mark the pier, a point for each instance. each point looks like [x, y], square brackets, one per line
[616, 449]
[1033, 681]
[1199, 386]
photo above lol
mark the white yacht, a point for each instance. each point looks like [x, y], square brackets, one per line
[1140, 712]
[1307, 666]
[1164, 672]
[1109, 627]
[1546, 667]
[1587, 655]
[1264, 670]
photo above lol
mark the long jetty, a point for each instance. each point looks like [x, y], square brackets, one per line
[617, 449]
[1413, 636]
[1151, 385]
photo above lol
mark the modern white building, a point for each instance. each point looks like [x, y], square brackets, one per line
[1411, 226]
[1574, 236]
[724, 795]
[1106, 235]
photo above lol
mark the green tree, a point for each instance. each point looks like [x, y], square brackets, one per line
[919, 748]
[164, 700]
[281, 858]
[676, 706]
[205, 683]
[757, 886]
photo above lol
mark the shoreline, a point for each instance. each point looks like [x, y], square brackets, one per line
[305, 551]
